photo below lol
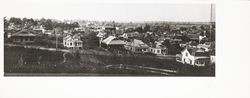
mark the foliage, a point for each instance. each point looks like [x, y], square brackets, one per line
[90, 40]
[16, 21]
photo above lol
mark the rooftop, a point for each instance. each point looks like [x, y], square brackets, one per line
[24, 33]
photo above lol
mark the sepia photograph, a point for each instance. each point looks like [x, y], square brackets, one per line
[133, 39]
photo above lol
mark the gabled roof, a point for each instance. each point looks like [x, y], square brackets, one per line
[111, 40]
[108, 39]
[137, 43]
[196, 52]
[75, 37]
[158, 45]
[101, 34]
[24, 33]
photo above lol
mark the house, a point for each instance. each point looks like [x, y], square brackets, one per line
[177, 38]
[194, 37]
[158, 49]
[130, 35]
[73, 42]
[24, 36]
[137, 46]
[48, 32]
[101, 36]
[206, 46]
[39, 29]
[193, 56]
[113, 42]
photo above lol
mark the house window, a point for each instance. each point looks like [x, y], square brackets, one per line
[158, 51]
[186, 54]
[31, 39]
[26, 39]
[70, 44]
[76, 44]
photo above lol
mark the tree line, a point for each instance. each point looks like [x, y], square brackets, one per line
[48, 24]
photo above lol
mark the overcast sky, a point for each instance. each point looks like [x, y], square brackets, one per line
[126, 12]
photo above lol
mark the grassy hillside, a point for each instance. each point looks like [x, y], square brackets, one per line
[20, 60]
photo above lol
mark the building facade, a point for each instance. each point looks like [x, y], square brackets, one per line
[72, 42]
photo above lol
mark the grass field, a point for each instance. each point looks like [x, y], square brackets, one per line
[22, 60]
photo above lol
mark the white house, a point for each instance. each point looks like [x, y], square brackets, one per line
[73, 42]
[193, 56]
[136, 46]
[158, 49]
[39, 28]
[101, 36]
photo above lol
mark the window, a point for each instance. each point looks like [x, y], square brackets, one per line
[31, 39]
[70, 44]
[76, 44]
[186, 54]
[26, 39]
[158, 51]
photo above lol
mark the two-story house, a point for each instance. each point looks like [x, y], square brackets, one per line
[194, 56]
[73, 42]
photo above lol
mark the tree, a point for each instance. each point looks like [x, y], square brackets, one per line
[146, 28]
[90, 40]
[166, 43]
[16, 21]
[58, 30]
[74, 25]
[139, 29]
[48, 24]
[203, 27]
[183, 28]
[28, 22]
[185, 38]
[194, 27]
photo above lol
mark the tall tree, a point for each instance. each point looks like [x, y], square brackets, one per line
[16, 21]
[166, 43]
[48, 24]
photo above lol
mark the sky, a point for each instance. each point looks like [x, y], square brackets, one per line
[123, 12]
